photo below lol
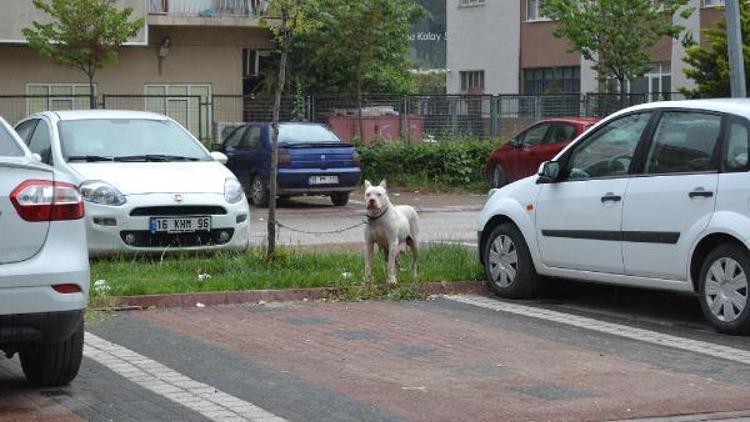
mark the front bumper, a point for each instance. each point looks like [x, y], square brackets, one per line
[108, 227]
[46, 327]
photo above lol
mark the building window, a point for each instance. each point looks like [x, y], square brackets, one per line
[657, 83]
[188, 104]
[534, 10]
[552, 80]
[54, 96]
[472, 81]
[470, 3]
[711, 3]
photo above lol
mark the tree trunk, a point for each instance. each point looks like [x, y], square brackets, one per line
[92, 94]
[359, 106]
[272, 186]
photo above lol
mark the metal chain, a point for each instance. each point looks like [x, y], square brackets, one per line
[362, 223]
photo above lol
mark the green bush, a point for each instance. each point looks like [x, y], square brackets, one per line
[450, 163]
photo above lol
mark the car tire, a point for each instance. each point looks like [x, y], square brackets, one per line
[729, 261]
[340, 199]
[508, 265]
[499, 178]
[54, 364]
[259, 192]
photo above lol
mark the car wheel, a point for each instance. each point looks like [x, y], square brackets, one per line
[340, 199]
[724, 289]
[54, 364]
[508, 266]
[259, 192]
[499, 178]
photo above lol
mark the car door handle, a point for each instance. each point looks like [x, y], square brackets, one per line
[609, 196]
[699, 193]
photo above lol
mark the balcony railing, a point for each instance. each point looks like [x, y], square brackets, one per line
[209, 8]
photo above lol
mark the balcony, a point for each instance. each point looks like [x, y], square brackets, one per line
[207, 12]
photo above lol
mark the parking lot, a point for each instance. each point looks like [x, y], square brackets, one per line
[580, 352]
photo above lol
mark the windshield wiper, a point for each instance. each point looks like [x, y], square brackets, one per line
[90, 158]
[154, 158]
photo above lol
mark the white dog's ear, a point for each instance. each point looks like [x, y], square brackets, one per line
[382, 183]
[368, 185]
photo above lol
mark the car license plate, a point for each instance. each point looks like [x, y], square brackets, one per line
[324, 180]
[179, 224]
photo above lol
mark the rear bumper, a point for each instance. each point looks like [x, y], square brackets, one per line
[47, 327]
[297, 181]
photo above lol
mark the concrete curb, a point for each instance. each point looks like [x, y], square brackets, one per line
[184, 300]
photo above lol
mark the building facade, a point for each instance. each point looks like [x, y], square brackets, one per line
[508, 47]
[188, 49]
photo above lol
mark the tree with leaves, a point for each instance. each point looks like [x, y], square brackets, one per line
[616, 35]
[293, 17]
[709, 65]
[84, 34]
[360, 44]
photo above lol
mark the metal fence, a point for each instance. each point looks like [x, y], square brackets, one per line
[383, 116]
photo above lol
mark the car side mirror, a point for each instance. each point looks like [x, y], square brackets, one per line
[516, 143]
[220, 157]
[549, 172]
[36, 156]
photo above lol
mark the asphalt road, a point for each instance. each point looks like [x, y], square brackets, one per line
[445, 218]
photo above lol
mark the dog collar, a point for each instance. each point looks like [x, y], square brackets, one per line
[371, 218]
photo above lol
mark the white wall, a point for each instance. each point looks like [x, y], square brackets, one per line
[484, 38]
[692, 25]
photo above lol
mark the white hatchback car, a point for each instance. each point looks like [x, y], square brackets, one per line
[654, 196]
[44, 267]
[149, 185]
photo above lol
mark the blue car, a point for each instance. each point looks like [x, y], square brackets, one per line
[312, 161]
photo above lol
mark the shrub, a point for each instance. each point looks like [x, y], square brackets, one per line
[451, 163]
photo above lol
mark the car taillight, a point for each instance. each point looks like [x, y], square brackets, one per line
[67, 288]
[356, 158]
[284, 158]
[44, 200]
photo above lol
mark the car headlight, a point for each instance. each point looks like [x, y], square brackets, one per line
[233, 191]
[102, 193]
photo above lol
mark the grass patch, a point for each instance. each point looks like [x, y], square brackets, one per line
[343, 270]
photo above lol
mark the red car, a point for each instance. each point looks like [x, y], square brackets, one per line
[538, 143]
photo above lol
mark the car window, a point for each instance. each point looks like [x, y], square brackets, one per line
[25, 129]
[608, 151]
[535, 135]
[305, 134]
[736, 153]
[684, 142]
[41, 142]
[561, 132]
[234, 138]
[128, 140]
[252, 137]
[8, 145]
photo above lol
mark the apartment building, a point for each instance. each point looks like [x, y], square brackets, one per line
[508, 47]
[196, 48]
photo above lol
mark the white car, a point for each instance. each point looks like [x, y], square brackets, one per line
[654, 196]
[148, 184]
[44, 267]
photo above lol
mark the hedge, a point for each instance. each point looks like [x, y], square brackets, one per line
[450, 163]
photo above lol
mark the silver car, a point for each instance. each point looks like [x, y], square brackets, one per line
[44, 269]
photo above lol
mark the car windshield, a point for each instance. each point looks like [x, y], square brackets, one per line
[306, 134]
[127, 140]
[8, 145]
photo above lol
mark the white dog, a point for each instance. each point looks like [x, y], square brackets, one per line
[392, 227]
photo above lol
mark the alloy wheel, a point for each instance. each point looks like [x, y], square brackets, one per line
[726, 289]
[503, 261]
